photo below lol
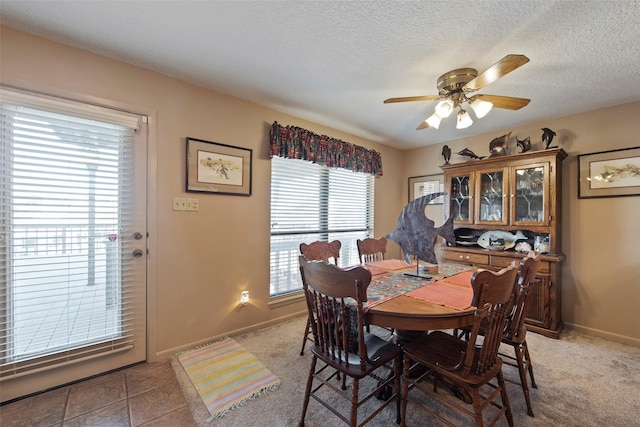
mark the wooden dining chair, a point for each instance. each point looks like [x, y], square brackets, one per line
[318, 251]
[465, 365]
[333, 295]
[515, 332]
[370, 250]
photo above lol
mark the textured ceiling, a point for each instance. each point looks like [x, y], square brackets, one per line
[334, 62]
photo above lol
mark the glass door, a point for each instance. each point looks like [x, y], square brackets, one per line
[491, 200]
[73, 242]
[530, 195]
[461, 190]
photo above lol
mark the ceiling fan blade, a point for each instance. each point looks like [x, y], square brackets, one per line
[413, 98]
[497, 70]
[423, 125]
[507, 102]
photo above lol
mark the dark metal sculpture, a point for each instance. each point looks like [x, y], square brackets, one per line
[415, 232]
[524, 145]
[446, 153]
[499, 146]
[547, 137]
[469, 153]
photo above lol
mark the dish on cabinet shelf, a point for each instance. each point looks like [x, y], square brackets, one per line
[496, 238]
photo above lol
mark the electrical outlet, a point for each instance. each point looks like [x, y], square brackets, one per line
[193, 205]
[179, 204]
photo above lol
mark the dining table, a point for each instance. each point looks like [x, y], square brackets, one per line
[412, 301]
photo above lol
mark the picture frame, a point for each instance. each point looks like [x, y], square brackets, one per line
[218, 168]
[426, 184]
[611, 173]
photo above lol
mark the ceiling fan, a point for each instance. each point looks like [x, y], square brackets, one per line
[454, 88]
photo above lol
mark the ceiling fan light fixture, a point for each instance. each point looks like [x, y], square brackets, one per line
[434, 120]
[444, 108]
[480, 107]
[464, 120]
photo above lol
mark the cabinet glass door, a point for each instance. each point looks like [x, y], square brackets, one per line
[461, 206]
[491, 197]
[530, 195]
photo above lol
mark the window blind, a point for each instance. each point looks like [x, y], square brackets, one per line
[311, 202]
[66, 293]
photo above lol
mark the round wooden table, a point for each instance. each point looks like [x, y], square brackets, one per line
[412, 314]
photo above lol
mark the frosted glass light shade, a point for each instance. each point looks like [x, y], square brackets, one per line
[444, 108]
[480, 107]
[464, 120]
[434, 120]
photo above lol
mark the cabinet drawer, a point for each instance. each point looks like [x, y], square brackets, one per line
[464, 257]
[502, 262]
[544, 267]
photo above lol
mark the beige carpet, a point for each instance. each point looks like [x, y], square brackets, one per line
[582, 381]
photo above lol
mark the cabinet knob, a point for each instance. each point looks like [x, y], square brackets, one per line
[467, 257]
[461, 257]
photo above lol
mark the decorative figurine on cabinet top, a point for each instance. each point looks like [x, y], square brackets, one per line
[499, 146]
[524, 145]
[470, 154]
[547, 137]
[446, 153]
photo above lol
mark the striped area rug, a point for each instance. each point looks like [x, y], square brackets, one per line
[226, 375]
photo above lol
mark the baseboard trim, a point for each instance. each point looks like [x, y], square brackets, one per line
[603, 334]
[255, 327]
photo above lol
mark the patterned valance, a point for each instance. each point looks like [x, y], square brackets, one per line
[292, 142]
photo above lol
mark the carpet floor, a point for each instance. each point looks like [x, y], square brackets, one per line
[582, 380]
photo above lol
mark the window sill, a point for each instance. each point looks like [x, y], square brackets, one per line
[283, 300]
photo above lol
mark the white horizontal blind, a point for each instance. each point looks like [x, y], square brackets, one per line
[310, 202]
[65, 289]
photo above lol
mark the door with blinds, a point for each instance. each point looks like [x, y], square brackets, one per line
[73, 241]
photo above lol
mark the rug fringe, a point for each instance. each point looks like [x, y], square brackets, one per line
[237, 405]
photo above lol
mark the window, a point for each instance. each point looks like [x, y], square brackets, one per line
[310, 202]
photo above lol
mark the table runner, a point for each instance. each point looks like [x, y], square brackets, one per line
[397, 283]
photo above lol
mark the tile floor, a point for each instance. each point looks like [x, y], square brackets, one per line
[143, 395]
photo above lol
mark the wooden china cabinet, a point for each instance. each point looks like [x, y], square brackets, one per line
[520, 192]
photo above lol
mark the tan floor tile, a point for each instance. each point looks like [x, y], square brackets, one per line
[143, 378]
[46, 409]
[182, 417]
[156, 403]
[114, 415]
[100, 379]
[85, 397]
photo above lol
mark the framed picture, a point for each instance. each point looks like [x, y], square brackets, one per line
[427, 184]
[218, 168]
[609, 173]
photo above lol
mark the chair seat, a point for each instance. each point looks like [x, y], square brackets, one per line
[379, 353]
[445, 353]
